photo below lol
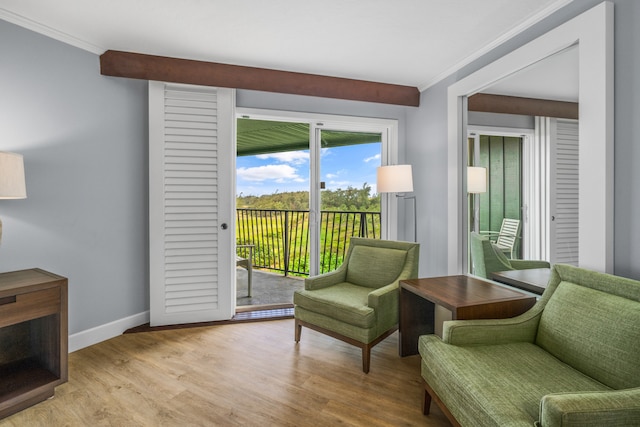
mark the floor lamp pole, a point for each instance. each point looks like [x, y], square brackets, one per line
[476, 213]
[415, 215]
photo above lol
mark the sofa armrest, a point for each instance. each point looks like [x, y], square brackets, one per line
[604, 408]
[385, 302]
[522, 264]
[521, 328]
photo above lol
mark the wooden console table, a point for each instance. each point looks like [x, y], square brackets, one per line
[466, 297]
[33, 338]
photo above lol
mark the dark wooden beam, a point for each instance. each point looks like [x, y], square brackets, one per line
[160, 68]
[523, 106]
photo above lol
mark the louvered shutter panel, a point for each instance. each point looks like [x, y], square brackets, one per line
[190, 159]
[565, 203]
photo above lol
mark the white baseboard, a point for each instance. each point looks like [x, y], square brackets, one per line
[104, 332]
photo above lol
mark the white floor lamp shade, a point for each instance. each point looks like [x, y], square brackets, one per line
[476, 184]
[12, 182]
[398, 179]
[476, 180]
[395, 179]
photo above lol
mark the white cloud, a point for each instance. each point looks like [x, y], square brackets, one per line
[277, 173]
[369, 159]
[340, 184]
[336, 174]
[294, 157]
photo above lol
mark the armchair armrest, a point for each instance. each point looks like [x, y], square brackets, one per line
[385, 302]
[325, 280]
[522, 264]
[250, 248]
[384, 296]
[603, 408]
[521, 328]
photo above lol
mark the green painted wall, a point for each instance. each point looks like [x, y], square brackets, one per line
[502, 156]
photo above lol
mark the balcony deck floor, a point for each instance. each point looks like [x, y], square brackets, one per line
[267, 288]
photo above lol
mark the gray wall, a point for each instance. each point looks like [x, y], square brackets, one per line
[427, 139]
[84, 140]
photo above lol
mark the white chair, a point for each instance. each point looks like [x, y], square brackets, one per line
[246, 263]
[507, 237]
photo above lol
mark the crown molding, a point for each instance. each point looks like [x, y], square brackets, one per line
[45, 30]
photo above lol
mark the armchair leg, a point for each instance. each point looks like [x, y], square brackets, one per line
[366, 348]
[298, 331]
[426, 403]
[366, 358]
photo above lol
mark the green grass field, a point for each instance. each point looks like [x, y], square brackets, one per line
[281, 237]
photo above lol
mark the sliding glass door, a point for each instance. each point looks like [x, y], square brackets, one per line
[345, 203]
[305, 186]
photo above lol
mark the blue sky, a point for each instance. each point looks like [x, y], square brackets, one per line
[340, 167]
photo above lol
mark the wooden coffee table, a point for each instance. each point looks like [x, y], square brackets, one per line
[466, 297]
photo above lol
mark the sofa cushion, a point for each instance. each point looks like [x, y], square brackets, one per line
[374, 267]
[345, 302]
[496, 385]
[595, 332]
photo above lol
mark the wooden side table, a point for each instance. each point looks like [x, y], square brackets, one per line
[33, 337]
[466, 297]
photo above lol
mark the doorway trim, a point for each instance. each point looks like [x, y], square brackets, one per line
[593, 32]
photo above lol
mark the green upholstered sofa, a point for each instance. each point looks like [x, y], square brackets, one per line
[573, 359]
[486, 258]
[358, 302]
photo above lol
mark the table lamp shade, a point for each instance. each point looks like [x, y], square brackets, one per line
[12, 182]
[476, 179]
[395, 179]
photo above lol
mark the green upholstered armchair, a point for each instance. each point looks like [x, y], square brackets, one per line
[358, 302]
[572, 360]
[486, 258]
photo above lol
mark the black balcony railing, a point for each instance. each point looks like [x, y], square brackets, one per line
[281, 237]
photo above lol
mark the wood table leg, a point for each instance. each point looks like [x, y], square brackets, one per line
[417, 317]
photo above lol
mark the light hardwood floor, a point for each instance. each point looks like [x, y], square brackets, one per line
[250, 374]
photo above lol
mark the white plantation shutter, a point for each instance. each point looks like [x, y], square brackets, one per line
[565, 206]
[191, 207]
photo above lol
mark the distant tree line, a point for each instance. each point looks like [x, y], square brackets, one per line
[351, 199]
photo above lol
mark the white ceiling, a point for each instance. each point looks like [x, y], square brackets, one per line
[408, 42]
